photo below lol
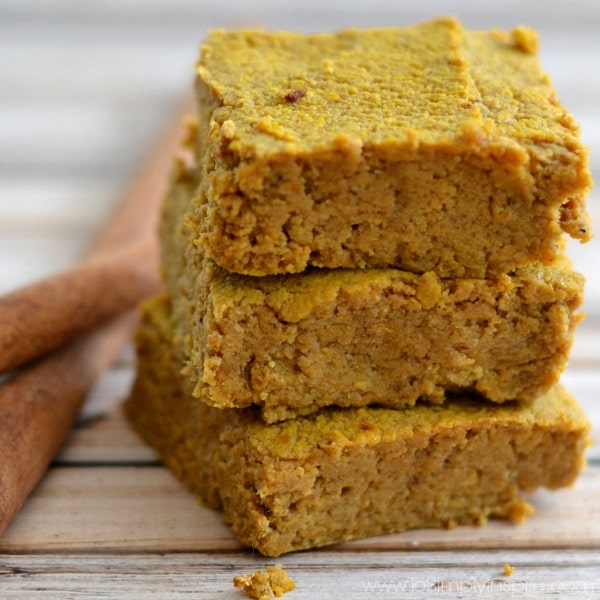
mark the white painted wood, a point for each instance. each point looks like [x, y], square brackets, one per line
[319, 575]
[51, 204]
[26, 258]
[90, 140]
[579, 12]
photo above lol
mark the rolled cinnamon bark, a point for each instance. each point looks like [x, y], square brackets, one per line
[39, 403]
[47, 314]
[119, 269]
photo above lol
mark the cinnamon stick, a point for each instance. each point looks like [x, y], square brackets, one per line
[119, 269]
[39, 403]
[47, 314]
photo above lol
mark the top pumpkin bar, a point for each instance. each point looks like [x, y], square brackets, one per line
[428, 147]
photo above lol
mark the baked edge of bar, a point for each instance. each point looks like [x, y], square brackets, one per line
[286, 247]
[275, 467]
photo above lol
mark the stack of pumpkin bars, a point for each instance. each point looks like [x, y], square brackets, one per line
[368, 305]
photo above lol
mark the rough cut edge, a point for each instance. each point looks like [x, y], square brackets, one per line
[266, 477]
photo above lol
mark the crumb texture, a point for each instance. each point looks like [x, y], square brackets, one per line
[344, 474]
[428, 147]
[293, 344]
[264, 585]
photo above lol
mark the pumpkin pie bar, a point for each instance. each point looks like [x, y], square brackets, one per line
[292, 344]
[343, 474]
[426, 148]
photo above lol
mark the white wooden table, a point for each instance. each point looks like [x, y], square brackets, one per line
[84, 88]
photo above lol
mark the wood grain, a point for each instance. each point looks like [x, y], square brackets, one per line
[396, 574]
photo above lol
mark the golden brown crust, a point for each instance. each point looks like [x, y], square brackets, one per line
[450, 154]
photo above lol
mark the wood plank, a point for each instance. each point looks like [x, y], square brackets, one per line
[129, 509]
[114, 74]
[77, 138]
[114, 508]
[56, 204]
[319, 575]
[107, 395]
[105, 439]
[584, 384]
[27, 258]
[585, 352]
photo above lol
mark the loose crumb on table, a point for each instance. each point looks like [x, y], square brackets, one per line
[263, 585]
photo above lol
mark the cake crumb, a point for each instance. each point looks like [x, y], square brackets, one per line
[263, 585]
[526, 39]
[508, 569]
[228, 130]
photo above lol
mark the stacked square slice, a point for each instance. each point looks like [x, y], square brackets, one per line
[368, 304]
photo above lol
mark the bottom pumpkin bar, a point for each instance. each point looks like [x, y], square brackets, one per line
[343, 474]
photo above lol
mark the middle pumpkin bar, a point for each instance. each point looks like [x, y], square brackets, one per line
[292, 344]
